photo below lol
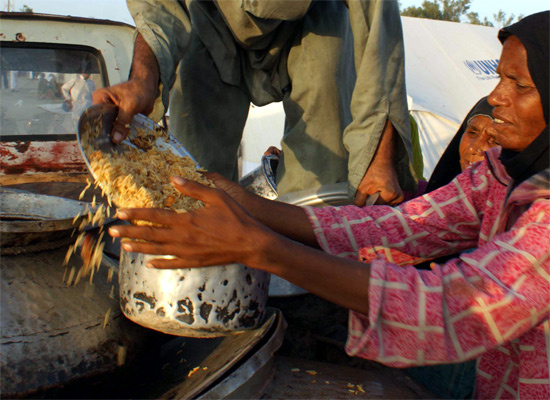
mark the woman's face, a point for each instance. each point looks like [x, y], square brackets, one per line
[477, 138]
[518, 115]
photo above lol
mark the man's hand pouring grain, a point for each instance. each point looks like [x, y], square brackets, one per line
[137, 95]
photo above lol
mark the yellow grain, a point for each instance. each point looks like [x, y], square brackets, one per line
[106, 318]
[121, 355]
[70, 278]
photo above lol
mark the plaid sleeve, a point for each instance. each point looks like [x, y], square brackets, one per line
[462, 309]
[445, 221]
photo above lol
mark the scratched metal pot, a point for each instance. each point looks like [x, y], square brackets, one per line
[35, 222]
[192, 302]
[261, 180]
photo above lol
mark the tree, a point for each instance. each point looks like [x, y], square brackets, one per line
[26, 9]
[473, 18]
[502, 20]
[456, 10]
[451, 10]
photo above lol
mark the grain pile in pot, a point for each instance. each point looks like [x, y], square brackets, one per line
[134, 177]
[140, 177]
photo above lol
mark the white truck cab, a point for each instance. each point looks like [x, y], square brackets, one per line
[46, 60]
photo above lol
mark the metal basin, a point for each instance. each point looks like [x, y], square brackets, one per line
[261, 181]
[53, 332]
[28, 219]
[197, 302]
[334, 195]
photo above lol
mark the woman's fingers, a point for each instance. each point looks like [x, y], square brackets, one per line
[196, 190]
[155, 215]
[148, 233]
[147, 247]
[213, 176]
[171, 263]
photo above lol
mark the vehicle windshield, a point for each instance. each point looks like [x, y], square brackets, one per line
[44, 90]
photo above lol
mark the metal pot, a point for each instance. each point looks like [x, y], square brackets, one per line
[335, 195]
[192, 302]
[261, 180]
[35, 222]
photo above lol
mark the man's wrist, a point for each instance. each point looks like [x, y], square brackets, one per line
[145, 68]
[385, 153]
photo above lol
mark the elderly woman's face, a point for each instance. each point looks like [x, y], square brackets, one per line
[518, 115]
[477, 138]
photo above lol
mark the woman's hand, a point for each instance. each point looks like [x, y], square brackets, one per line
[233, 189]
[221, 232]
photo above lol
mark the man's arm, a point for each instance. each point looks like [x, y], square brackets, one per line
[138, 94]
[164, 35]
[379, 104]
[381, 175]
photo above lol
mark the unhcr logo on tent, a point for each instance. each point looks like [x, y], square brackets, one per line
[483, 69]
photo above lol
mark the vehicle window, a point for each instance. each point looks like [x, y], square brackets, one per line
[44, 90]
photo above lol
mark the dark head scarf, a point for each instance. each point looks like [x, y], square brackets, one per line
[448, 166]
[533, 32]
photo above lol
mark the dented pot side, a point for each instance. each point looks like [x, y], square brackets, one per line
[192, 302]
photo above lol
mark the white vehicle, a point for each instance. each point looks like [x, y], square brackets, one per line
[40, 54]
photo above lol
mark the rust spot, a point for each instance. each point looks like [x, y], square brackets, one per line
[185, 307]
[145, 298]
[140, 306]
[13, 170]
[252, 316]
[19, 37]
[22, 146]
[186, 318]
[111, 43]
[160, 312]
[205, 309]
[2, 36]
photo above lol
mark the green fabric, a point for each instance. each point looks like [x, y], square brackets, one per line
[418, 159]
[305, 56]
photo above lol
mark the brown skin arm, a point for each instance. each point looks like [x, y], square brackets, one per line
[381, 176]
[224, 232]
[268, 212]
[138, 94]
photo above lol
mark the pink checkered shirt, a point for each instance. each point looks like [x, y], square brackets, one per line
[492, 303]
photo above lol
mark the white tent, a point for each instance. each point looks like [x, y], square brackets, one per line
[449, 66]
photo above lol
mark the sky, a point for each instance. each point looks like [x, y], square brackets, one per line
[116, 9]
[486, 8]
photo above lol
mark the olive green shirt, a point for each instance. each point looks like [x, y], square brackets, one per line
[250, 42]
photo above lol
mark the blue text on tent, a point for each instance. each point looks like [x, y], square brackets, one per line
[483, 69]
